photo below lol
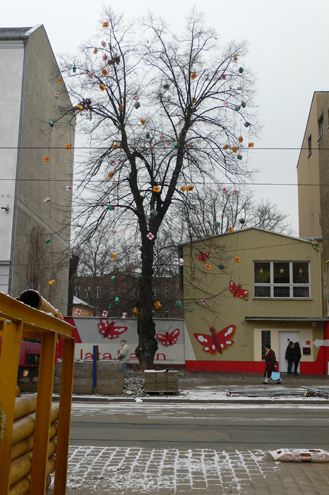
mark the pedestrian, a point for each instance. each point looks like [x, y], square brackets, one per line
[296, 355]
[289, 354]
[270, 363]
[124, 356]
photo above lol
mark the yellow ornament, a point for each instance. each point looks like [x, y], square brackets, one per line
[157, 305]
[240, 139]
[52, 282]
[115, 145]
[143, 121]
[207, 267]
[230, 229]
[135, 311]
[193, 75]
[114, 255]
[102, 87]
[190, 188]
[183, 188]
[111, 174]
[80, 108]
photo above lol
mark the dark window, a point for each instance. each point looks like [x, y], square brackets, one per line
[309, 144]
[266, 341]
[320, 126]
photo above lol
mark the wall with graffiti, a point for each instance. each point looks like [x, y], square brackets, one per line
[107, 334]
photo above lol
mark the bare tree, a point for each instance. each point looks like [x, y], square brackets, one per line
[164, 115]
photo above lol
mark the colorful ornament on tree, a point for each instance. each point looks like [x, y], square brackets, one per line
[78, 312]
[236, 191]
[135, 311]
[154, 213]
[193, 108]
[207, 266]
[52, 282]
[221, 266]
[60, 80]
[56, 95]
[91, 75]
[217, 225]
[176, 144]
[104, 314]
[119, 126]
[117, 300]
[243, 104]
[240, 139]
[148, 135]
[239, 157]
[105, 57]
[115, 145]
[113, 279]
[235, 58]
[223, 77]
[250, 145]
[137, 104]
[121, 107]
[161, 136]
[190, 308]
[46, 200]
[203, 301]
[183, 188]
[104, 71]
[150, 236]
[124, 315]
[157, 305]
[105, 24]
[179, 303]
[181, 262]
[237, 259]
[80, 108]
[114, 256]
[51, 123]
[193, 75]
[226, 147]
[143, 121]
[246, 124]
[110, 306]
[225, 190]
[156, 189]
[234, 149]
[111, 174]
[237, 108]
[69, 188]
[230, 229]
[95, 51]
[242, 221]
[46, 159]
[190, 187]
[48, 240]
[225, 103]
[68, 146]
[74, 68]
[165, 86]
[241, 69]
[102, 87]
[136, 97]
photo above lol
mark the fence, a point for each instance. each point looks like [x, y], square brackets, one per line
[18, 321]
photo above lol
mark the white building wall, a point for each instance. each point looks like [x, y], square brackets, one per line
[11, 78]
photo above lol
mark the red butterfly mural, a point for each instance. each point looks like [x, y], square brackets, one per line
[203, 256]
[109, 330]
[168, 338]
[216, 341]
[237, 291]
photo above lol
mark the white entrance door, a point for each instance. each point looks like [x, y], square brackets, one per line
[284, 338]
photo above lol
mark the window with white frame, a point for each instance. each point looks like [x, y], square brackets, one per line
[281, 279]
[98, 292]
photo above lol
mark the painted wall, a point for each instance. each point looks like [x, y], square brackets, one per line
[107, 334]
[11, 63]
[218, 337]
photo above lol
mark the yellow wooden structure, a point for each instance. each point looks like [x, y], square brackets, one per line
[17, 321]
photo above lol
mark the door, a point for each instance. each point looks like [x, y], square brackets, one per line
[284, 338]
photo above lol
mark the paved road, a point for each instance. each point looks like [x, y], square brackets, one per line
[192, 426]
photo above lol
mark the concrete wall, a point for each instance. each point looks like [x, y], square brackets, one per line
[35, 262]
[109, 378]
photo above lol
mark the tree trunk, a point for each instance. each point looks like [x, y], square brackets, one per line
[147, 343]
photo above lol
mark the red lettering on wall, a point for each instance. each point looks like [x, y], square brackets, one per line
[162, 359]
[107, 355]
[88, 355]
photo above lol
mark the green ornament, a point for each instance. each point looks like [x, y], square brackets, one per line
[137, 105]
[242, 221]
[113, 279]
[246, 124]
[111, 207]
[110, 306]
[243, 104]
[176, 144]
[117, 300]
[48, 240]
[221, 266]
[241, 69]
[165, 86]
[237, 108]
[217, 224]
[51, 123]
[239, 157]
[154, 213]
[74, 68]
[148, 135]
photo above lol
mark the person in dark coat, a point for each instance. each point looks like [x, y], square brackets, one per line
[296, 355]
[270, 363]
[289, 355]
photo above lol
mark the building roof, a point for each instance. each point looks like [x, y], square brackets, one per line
[309, 240]
[79, 302]
[20, 33]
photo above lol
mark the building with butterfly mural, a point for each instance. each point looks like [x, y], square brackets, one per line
[250, 288]
[36, 168]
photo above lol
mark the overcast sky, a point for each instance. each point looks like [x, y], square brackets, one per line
[288, 53]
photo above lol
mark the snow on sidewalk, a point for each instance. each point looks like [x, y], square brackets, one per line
[167, 471]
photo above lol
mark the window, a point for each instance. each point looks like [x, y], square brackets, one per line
[98, 292]
[76, 291]
[320, 127]
[86, 292]
[281, 279]
[309, 145]
[266, 341]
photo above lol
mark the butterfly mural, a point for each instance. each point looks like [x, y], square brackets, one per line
[109, 330]
[203, 256]
[216, 341]
[168, 339]
[237, 291]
